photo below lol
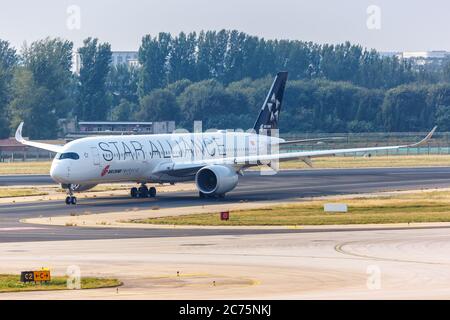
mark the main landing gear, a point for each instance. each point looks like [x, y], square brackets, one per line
[70, 199]
[143, 192]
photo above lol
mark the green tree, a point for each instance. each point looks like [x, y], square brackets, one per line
[234, 58]
[30, 104]
[182, 61]
[255, 92]
[443, 118]
[179, 86]
[368, 110]
[159, 105]
[8, 56]
[438, 104]
[229, 56]
[8, 62]
[405, 108]
[122, 82]
[210, 102]
[125, 111]
[4, 100]
[446, 70]
[93, 102]
[50, 62]
[299, 61]
[153, 56]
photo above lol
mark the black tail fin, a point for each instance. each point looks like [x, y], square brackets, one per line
[270, 111]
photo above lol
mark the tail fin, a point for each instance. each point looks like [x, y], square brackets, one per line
[270, 111]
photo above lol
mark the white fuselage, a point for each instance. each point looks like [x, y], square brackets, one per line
[148, 158]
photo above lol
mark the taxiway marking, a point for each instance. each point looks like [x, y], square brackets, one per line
[21, 229]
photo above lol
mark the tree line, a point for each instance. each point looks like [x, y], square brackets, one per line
[221, 78]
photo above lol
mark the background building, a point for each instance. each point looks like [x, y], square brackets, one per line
[430, 59]
[129, 58]
[420, 58]
[90, 128]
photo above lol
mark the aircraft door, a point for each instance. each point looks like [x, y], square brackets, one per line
[95, 156]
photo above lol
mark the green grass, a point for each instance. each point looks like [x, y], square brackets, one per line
[417, 207]
[11, 283]
[11, 193]
[375, 161]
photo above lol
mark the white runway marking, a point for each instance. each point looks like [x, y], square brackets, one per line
[21, 229]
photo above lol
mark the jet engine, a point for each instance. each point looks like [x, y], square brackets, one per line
[216, 180]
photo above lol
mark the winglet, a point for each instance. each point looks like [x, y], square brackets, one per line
[424, 140]
[39, 145]
[19, 137]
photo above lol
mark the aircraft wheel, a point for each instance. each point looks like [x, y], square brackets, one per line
[152, 192]
[201, 195]
[71, 200]
[134, 192]
[143, 192]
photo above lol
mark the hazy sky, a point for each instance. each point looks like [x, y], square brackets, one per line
[405, 25]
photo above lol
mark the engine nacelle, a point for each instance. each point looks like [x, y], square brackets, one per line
[78, 187]
[216, 179]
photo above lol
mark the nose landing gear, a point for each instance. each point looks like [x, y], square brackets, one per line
[70, 199]
[143, 192]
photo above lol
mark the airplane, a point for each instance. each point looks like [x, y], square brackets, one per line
[214, 160]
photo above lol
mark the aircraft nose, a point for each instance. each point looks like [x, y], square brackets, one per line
[59, 172]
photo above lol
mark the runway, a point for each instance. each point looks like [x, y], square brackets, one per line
[286, 185]
[25, 180]
[393, 264]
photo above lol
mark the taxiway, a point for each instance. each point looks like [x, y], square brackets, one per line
[285, 186]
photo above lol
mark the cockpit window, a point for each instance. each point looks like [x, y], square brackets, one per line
[69, 155]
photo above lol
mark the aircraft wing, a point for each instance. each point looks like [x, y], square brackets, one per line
[39, 145]
[253, 160]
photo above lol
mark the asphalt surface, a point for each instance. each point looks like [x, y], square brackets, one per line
[375, 264]
[286, 185]
[25, 180]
